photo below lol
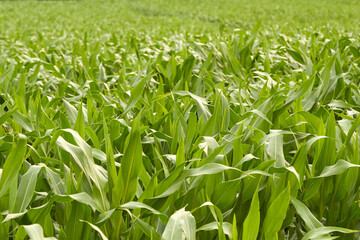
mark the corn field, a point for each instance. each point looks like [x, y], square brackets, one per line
[200, 120]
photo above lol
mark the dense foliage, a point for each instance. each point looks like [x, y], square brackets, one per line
[209, 130]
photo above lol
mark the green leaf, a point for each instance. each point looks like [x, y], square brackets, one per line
[275, 148]
[96, 229]
[131, 162]
[137, 205]
[296, 55]
[227, 228]
[79, 125]
[12, 165]
[310, 221]
[180, 223]
[322, 231]
[252, 221]
[234, 229]
[276, 213]
[34, 231]
[23, 121]
[337, 168]
[148, 229]
[6, 115]
[137, 92]
[224, 194]
[82, 156]
[201, 102]
[26, 188]
[71, 111]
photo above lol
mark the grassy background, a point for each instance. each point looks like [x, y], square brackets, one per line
[185, 15]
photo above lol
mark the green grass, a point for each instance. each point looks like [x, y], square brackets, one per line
[146, 120]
